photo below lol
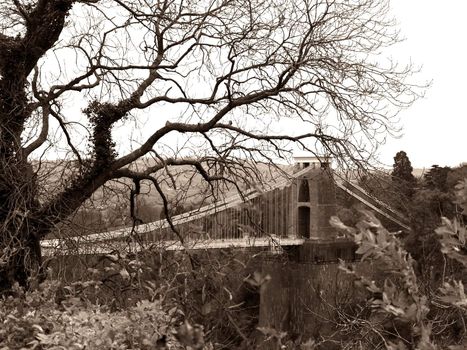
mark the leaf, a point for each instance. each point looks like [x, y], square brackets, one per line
[308, 345]
[461, 290]
[203, 294]
[411, 312]
[184, 334]
[364, 248]
[369, 236]
[267, 331]
[372, 287]
[38, 328]
[458, 347]
[393, 346]
[396, 311]
[206, 308]
[112, 257]
[42, 338]
[370, 219]
[445, 231]
[462, 235]
[381, 239]
[172, 311]
[124, 273]
[338, 224]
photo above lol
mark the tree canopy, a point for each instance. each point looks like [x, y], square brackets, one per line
[402, 175]
[402, 168]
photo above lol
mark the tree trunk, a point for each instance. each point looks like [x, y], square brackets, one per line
[20, 226]
[20, 254]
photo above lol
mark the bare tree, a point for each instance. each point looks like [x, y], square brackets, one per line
[218, 74]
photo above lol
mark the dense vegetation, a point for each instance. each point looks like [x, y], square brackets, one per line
[415, 295]
[106, 86]
[424, 268]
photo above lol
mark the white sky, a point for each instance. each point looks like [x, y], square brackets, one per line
[435, 127]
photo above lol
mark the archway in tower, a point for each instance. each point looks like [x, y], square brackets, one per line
[304, 192]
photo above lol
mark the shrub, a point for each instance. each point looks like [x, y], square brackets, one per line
[42, 319]
[404, 315]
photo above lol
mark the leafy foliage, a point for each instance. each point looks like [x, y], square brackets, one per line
[436, 178]
[417, 317]
[34, 320]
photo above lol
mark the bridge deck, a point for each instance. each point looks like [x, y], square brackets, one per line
[83, 248]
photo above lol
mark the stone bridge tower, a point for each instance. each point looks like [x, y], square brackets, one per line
[305, 280]
[313, 199]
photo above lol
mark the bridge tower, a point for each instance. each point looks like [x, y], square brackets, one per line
[313, 199]
[306, 280]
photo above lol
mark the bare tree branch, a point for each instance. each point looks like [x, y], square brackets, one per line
[214, 86]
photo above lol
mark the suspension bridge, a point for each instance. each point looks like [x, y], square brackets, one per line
[290, 219]
[294, 210]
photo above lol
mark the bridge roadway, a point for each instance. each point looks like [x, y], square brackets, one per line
[82, 247]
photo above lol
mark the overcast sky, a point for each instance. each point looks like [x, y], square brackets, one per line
[435, 127]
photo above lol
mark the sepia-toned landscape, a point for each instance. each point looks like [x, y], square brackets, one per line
[232, 174]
